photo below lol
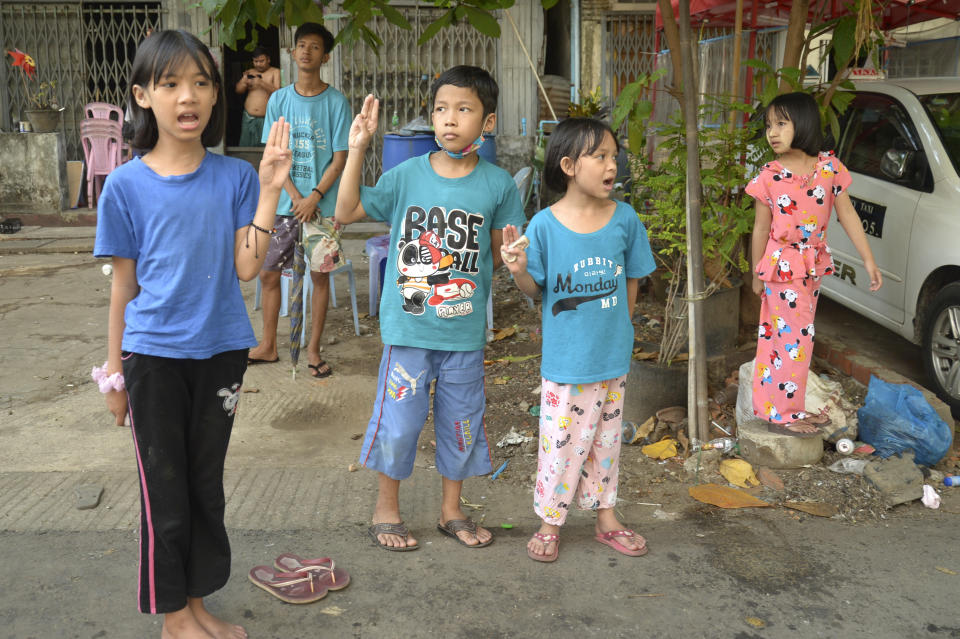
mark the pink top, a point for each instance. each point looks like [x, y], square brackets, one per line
[800, 207]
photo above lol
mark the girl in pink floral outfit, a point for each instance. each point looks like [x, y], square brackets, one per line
[794, 195]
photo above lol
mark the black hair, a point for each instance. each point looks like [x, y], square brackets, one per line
[313, 28]
[468, 77]
[156, 56]
[259, 51]
[801, 109]
[572, 138]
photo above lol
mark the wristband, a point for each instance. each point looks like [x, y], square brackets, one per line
[106, 382]
[260, 228]
[318, 192]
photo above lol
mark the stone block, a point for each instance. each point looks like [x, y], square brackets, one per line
[897, 478]
[760, 447]
[33, 173]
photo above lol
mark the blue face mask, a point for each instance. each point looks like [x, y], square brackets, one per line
[476, 144]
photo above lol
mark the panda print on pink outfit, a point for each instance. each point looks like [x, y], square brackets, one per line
[787, 205]
[789, 387]
[817, 193]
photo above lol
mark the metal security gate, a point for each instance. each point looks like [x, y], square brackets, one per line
[629, 44]
[401, 75]
[85, 48]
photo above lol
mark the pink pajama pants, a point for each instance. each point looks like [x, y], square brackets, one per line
[784, 349]
[580, 427]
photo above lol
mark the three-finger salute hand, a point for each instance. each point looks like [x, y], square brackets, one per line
[277, 157]
[365, 124]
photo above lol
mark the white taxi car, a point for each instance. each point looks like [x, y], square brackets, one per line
[901, 141]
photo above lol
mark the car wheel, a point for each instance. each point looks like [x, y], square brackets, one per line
[941, 345]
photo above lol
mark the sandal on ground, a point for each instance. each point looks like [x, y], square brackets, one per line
[452, 527]
[324, 568]
[292, 587]
[610, 539]
[253, 361]
[400, 530]
[546, 539]
[784, 429]
[317, 372]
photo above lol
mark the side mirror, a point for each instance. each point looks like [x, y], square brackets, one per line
[894, 163]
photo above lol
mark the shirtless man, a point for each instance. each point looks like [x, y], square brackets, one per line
[258, 83]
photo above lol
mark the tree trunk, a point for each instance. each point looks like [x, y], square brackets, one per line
[697, 413]
[673, 42]
[793, 48]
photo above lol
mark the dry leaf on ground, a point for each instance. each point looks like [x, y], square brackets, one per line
[725, 497]
[812, 508]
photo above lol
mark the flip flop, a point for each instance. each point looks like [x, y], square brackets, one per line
[546, 539]
[610, 539]
[316, 369]
[253, 361]
[400, 530]
[781, 429]
[324, 568]
[452, 527]
[291, 587]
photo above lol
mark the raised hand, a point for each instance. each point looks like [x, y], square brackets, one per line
[277, 157]
[514, 258]
[365, 124]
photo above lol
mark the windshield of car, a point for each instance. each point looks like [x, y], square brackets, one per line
[944, 110]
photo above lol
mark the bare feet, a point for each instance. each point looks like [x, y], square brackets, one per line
[393, 541]
[216, 627]
[607, 522]
[805, 425]
[483, 535]
[182, 624]
[538, 547]
[264, 352]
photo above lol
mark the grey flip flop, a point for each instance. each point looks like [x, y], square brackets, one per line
[400, 530]
[454, 526]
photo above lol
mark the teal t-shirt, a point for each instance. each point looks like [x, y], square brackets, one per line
[439, 267]
[319, 126]
[587, 332]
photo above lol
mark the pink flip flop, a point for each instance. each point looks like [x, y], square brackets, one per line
[325, 569]
[610, 539]
[291, 587]
[546, 539]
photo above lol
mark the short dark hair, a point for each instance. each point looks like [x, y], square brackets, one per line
[801, 109]
[572, 138]
[313, 28]
[468, 77]
[158, 54]
[259, 51]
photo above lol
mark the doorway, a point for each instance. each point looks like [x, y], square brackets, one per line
[235, 62]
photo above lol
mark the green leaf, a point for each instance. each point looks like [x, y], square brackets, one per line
[635, 137]
[792, 76]
[393, 16]
[834, 124]
[758, 64]
[482, 21]
[434, 27]
[548, 4]
[769, 93]
[844, 40]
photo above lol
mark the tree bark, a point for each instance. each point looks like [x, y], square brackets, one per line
[673, 42]
[697, 413]
[793, 48]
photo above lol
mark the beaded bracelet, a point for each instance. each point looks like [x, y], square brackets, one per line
[260, 228]
[106, 382]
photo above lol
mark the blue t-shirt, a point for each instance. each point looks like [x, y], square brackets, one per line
[439, 266]
[587, 332]
[180, 230]
[319, 125]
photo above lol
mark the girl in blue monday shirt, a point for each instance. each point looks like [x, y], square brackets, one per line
[181, 226]
[586, 254]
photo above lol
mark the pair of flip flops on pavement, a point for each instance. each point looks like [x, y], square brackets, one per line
[449, 528]
[300, 581]
[607, 538]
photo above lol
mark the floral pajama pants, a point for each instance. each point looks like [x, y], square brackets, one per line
[580, 427]
[784, 349]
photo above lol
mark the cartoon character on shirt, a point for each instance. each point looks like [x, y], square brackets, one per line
[424, 267]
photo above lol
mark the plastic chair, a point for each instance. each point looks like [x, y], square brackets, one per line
[286, 276]
[523, 179]
[102, 141]
[377, 249]
[103, 111]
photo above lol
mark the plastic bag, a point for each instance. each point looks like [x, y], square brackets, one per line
[896, 417]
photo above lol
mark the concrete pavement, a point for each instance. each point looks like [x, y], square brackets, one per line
[710, 573]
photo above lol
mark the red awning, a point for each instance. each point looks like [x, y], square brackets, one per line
[771, 13]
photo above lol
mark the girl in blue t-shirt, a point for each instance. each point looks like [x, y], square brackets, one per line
[586, 254]
[181, 226]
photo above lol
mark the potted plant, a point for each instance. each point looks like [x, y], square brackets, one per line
[45, 116]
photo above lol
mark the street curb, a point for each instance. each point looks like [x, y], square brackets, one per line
[837, 354]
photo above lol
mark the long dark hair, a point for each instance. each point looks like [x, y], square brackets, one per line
[160, 52]
[572, 138]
